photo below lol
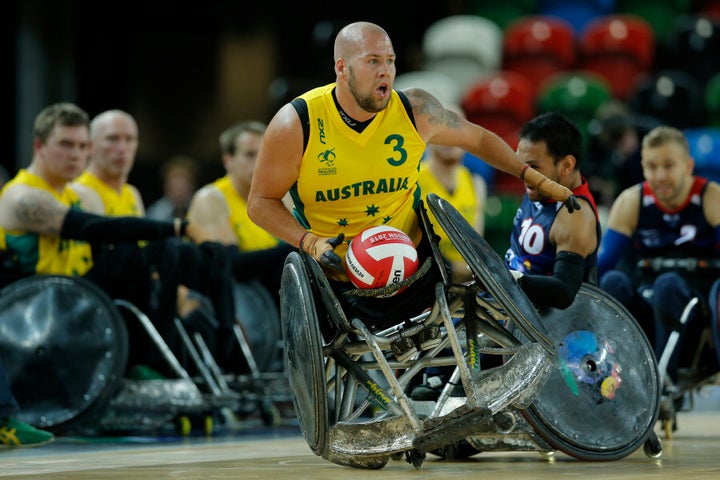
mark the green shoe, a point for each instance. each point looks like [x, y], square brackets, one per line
[143, 372]
[14, 433]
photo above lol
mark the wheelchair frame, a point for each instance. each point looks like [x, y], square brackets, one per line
[351, 395]
[66, 345]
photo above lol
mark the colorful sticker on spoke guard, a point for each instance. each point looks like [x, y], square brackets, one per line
[586, 362]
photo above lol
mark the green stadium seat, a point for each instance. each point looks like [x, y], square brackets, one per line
[577, 95]
[712, 101]
[659, 14]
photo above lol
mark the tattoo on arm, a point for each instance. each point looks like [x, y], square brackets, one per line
[40, 214]
[428, 106]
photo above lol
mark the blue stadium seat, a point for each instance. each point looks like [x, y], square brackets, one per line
[704, 145]
[577, 12]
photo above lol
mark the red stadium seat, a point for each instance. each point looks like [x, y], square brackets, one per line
[619, 48]
[500, 102]
[539, 46]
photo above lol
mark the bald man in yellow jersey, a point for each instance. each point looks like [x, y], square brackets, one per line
[182, 270]
[349, 153]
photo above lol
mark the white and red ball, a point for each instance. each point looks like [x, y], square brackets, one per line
[379, 257]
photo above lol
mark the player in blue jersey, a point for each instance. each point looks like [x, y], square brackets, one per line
[551, 251]
[662, 245]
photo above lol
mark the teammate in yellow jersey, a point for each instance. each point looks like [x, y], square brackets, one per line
[221, 207]
[443, 173]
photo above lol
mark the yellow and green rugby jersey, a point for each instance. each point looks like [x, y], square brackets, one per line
[45, 254]
[463, 198]
[349, 181]
[116, 204]
[250, 236]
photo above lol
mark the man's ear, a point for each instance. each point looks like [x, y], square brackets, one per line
[567, 163]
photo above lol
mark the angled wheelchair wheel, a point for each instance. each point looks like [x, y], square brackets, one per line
[489, 269]
[714, 300]
[303, 354]
[256, 309]
[65, 347]
[603, 401]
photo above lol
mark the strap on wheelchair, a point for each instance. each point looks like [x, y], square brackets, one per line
[660, 264]
[434, 241]
[384, 291]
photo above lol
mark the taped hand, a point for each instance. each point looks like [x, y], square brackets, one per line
[549, 188]
[321, 249]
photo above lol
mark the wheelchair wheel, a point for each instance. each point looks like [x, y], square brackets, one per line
[256, 309]
[65, 347]
[489, 269]
[303, 354]
[603, 401]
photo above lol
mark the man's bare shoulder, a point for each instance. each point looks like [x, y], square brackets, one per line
[207, 202]
[426, 106]
[23, 207]
[89, 198]
[628, 197]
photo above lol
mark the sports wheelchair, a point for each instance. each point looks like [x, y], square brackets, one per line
[698, 357]
[583, 381]
[65, 344]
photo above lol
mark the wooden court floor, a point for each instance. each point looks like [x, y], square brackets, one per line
[257, 452]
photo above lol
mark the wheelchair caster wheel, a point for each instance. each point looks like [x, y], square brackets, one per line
[184, 426]
[208, 425]
[548, 454]
[653, 446]
[270, 414]
[415, 457]
[667, 426]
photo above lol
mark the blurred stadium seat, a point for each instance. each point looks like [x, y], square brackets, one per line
[464, 47]
[441, 86]
[619, 48]
[577, 95]
[693, 45]
[539, 46]
[576, 12]
[672, 96]
[500, 102]
[658, 13]
[707, 7]
[712, 101]
[502, 13]
[704, 145]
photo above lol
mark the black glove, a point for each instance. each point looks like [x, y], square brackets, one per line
[329, 258]
[572, 203]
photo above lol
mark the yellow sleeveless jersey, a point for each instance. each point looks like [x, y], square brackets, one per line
[116, 205]
[250, 236]
[463, 198]
[45, 254]
[349, 181]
